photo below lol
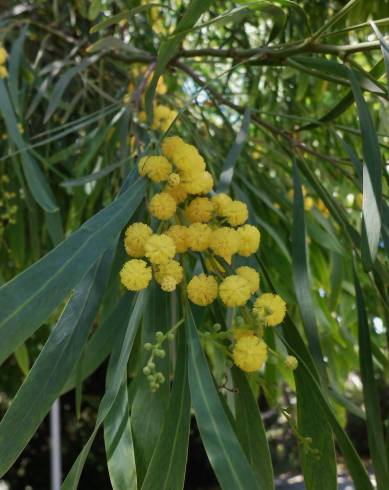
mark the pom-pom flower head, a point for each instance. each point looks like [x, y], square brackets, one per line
[250, 353]
[156, 168]
[234, 291]
[163, 206]
[221, 203]
[199, 236]
[202, 290]
[135, 275]
[251, 276]
[170, 144]
[159, 249]
[291, 363]
[236, 213]
[171, 269]
[270, 308]
[199, 210]
[178, 192]
[249, 240]
[179, 235]
[135, 238]
[225, 242]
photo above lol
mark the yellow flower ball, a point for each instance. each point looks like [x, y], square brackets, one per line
[291, 363]
[3, 55]
[308, 203]
[135, 275]
[157, 168]
[251, 276]
[135, 238]
[200, 184]
[270, 308]
[3, 71]
[169, 269]
[238, 333]
[199, 210]
[225, 242]
[234, 291]
[178, 192]
[250, 353]
[179, 235]
[202, 290]
[221, 203]
[236, 213]
[249, 240]
[173, 180]
[188, 160]
[163, 206]
[159, 249]
[170, 144]
[199, 236]
[168, 284]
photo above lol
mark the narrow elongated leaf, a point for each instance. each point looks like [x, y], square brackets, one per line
[117, 369]
[221, 444]
[301, 275]
[233, 155]
[169, 47]
[100, 344]
[36, 180]
[118, 443]
[14, 69]
[54, 364]
[149, 409]
[64, 81]
[310, 382]
[167, 466]
[22, 358]
[372, 185]
[384, 49]
[333, 68]
[27, 300]
[251, 432]
[370, 394]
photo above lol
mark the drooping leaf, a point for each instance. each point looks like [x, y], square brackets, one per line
[27, 300]
[54, 364]
[117, 369]
[168, 463]
[224, 451]
[250, 430]
[370, 393]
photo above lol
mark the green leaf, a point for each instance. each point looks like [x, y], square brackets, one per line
[250, 430]
[117, 369]
[372, 185]
[341, 72]
[14, 69]
[224, 452]
[169, 47]
[22, 358]
[168, 463]
[92, 177]
[54, 364]
[118, 443]
[310, 383]
[27, 300]
[126, 15]
[301, 275]
[149, 409]
[113, 43]
[36, 180]
[63, 82]
[99, 345]
[233, 155]
[370, 394]
[384, 49]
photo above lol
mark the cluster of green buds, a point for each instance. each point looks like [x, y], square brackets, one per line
[156, 350]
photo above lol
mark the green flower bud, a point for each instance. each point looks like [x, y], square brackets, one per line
[159, 336]
[146, 370]
[148, 346]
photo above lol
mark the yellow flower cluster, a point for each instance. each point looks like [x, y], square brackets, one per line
[163, 117]
[3, 59]
[193, 219]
